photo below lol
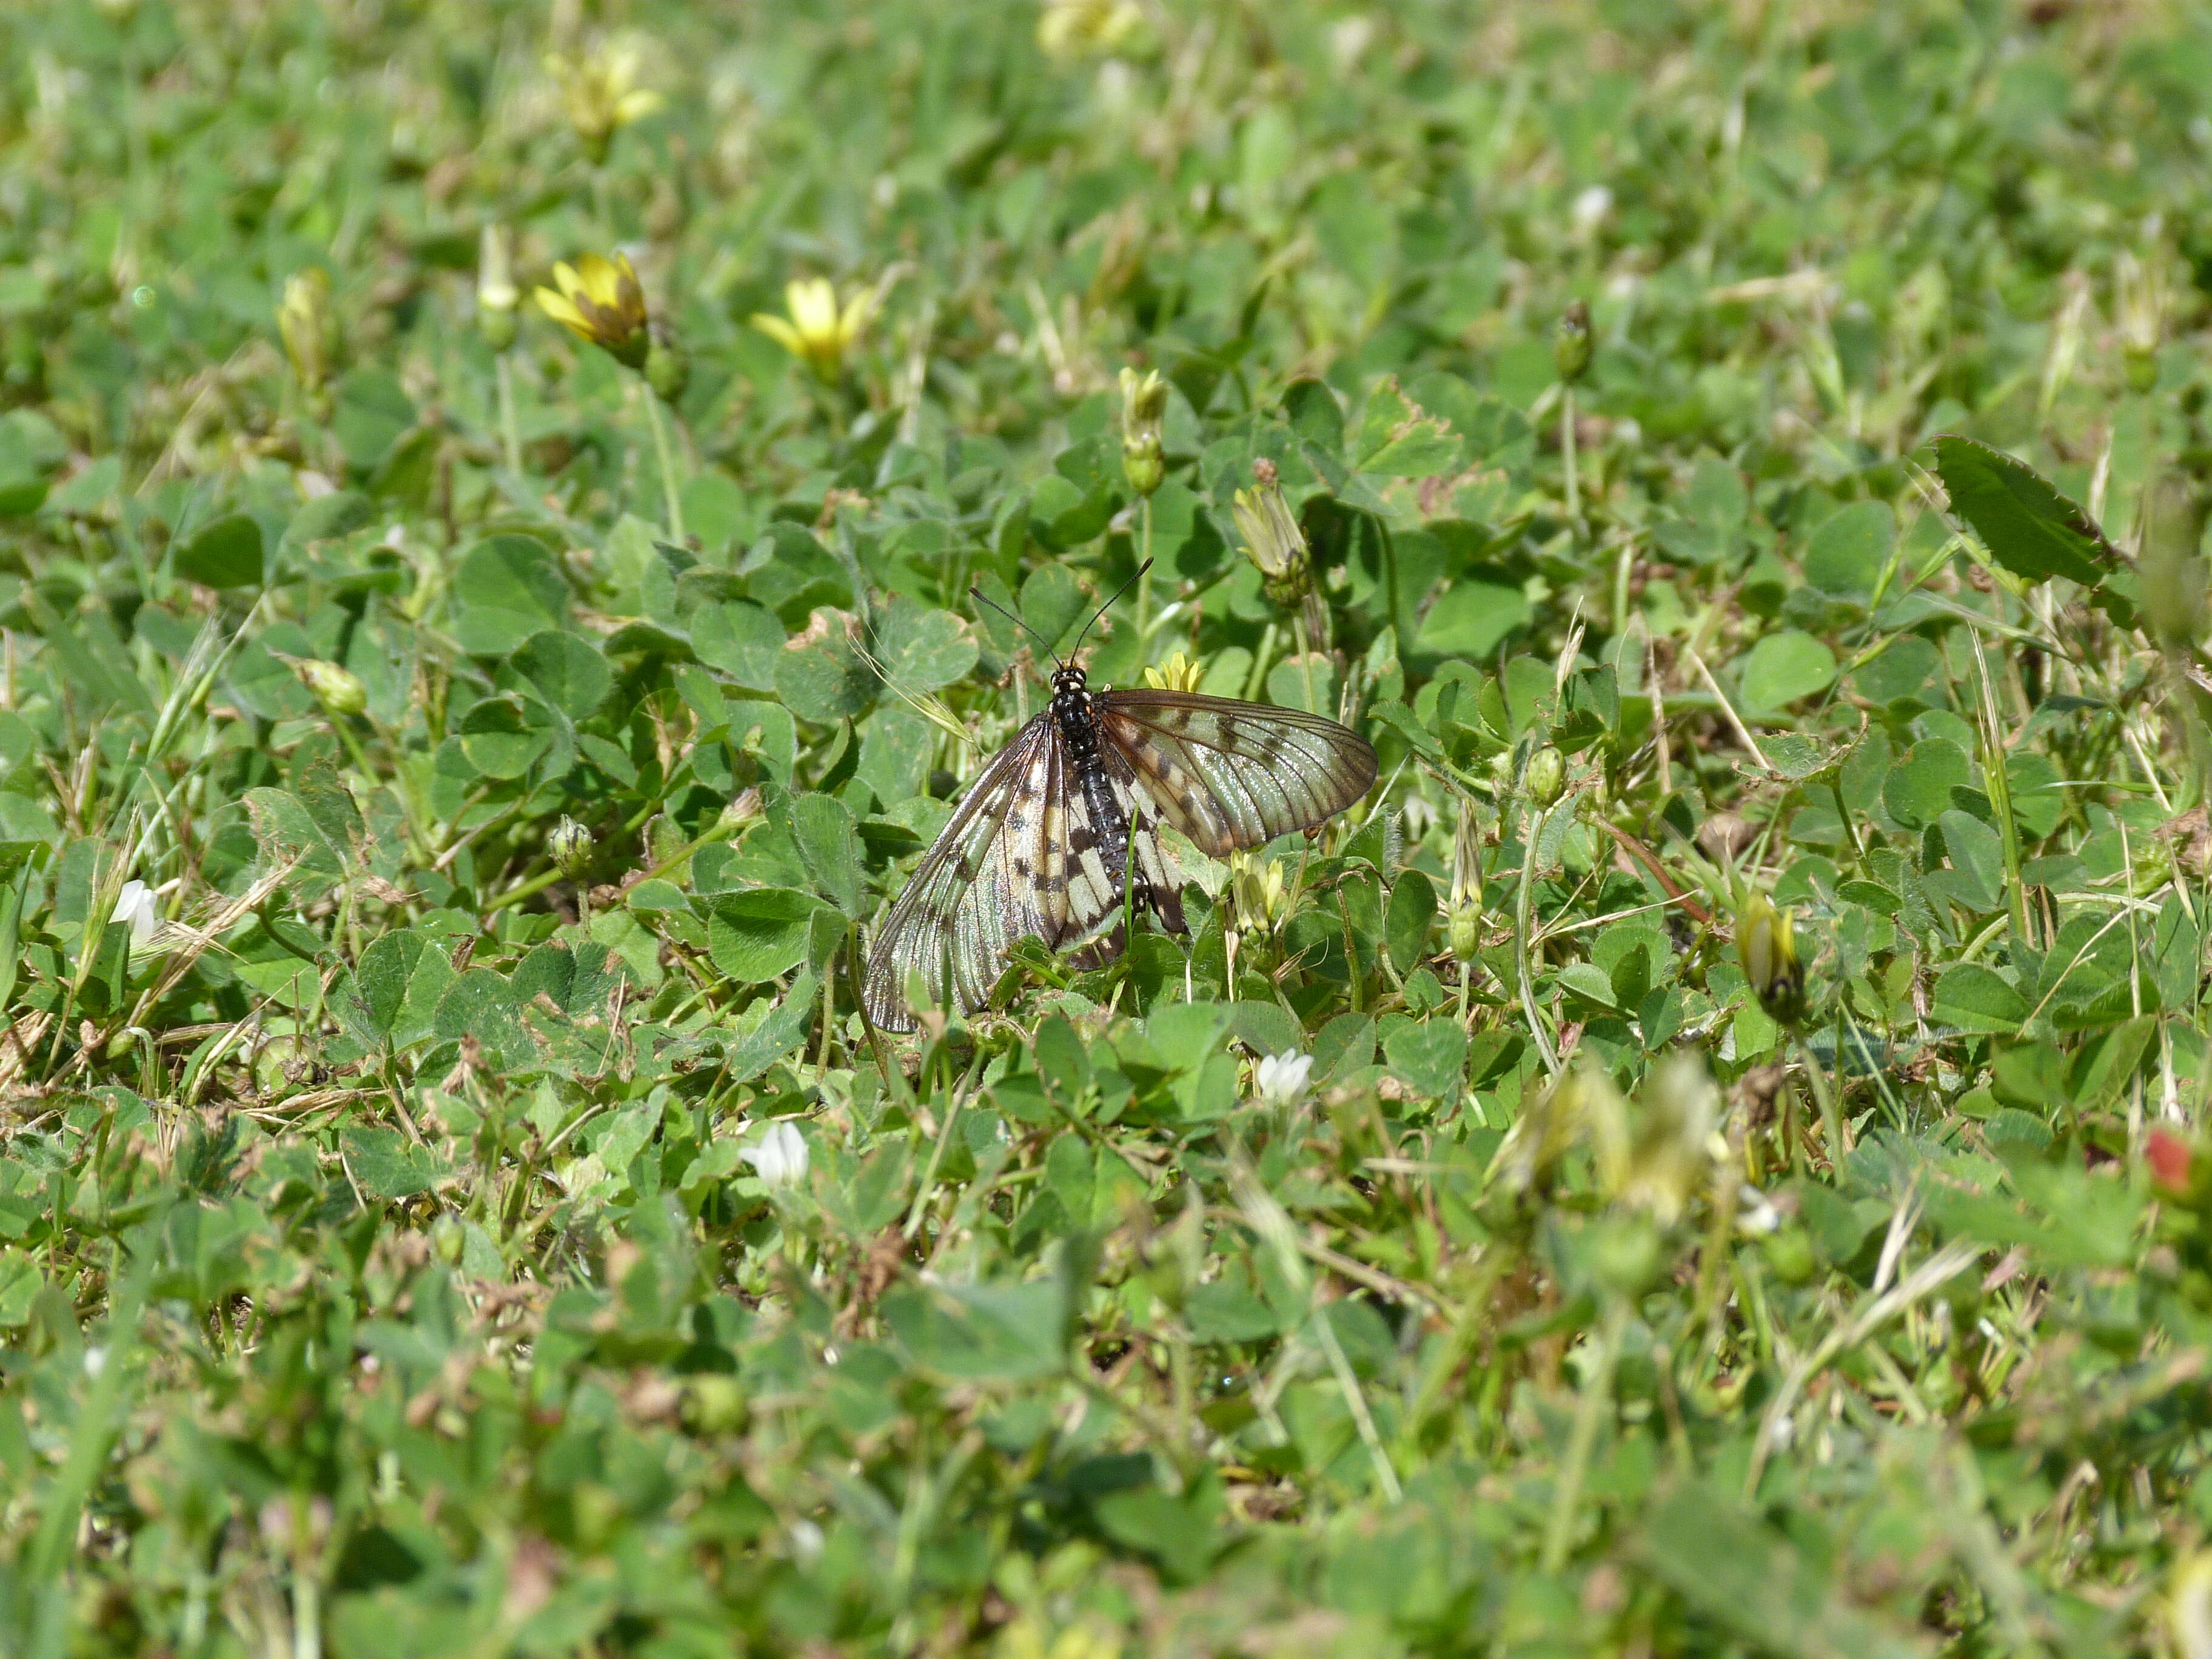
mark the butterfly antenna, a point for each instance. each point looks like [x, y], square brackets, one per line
[981, 598]
[1109, 605]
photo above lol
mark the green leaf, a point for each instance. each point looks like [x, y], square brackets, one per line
[1472, 619]
[382, 975]
[1917, 789]
[1054, 604]
[504, 737]
[1407, 923]
[1431, 1055]
[506, 589]
[226, 553]
[370, 410]
[921, 650]
[2029, 528]
[821, 677]
[1848, 553]
[759, 933]
[567, 671]
[1591, 983]
[821, 828]
[286, 834]
[385, 1164]
[741, 639]
[977, 1333]
[1975, 998]
[1978, 856]
[1784, 667]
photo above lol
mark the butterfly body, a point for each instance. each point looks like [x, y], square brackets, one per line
[1044, 842]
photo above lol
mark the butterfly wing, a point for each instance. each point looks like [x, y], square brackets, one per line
[1228, 773]
[1096, 884]
[998, 872]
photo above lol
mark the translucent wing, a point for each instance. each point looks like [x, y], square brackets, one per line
[998, 872]
[1230, 775]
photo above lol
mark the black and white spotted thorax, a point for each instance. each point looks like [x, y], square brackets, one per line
[1072, 713]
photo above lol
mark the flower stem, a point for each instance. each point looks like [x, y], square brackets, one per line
[1567, 450]
[1582, 1439]
[1145, 583]
[510, 433]
[673, 507]
[1522, 904]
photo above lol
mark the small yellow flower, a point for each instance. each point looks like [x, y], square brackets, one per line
[601, 301]
[304, 321]
[1077, 28]
[1178, 673]
[601, 96]
[819, 333]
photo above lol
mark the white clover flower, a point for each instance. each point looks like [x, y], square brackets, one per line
[1281, 1078]
[780, 1157]
[1591, 209]
[135, 904]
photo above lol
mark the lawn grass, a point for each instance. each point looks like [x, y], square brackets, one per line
[1744, 1191]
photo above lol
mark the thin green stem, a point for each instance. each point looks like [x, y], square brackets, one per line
[673, 507]
[510, 430]
[1144, 580]
[1574, 1469]
[1524, 905]
[1567, 452]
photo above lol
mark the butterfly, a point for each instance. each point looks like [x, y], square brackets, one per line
[1069, 813]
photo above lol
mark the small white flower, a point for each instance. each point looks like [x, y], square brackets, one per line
[807, 1539]
[96, 1361]
[135, 905]
[1281, 1078]
[1756, 1216]
[1591, 209]
[779, 1158]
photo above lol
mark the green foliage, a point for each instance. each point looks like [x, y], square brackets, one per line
[413, 1241]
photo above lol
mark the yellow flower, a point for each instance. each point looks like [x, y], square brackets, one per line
[818, 333]
[1074, 28]
[600, 300]
[1177, 673]
[601, 96]
[304, 321]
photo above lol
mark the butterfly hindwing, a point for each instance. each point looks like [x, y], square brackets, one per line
[1229, 774]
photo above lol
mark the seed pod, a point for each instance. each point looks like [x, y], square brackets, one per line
[570, 844]
[1570, 342]
[338, 689]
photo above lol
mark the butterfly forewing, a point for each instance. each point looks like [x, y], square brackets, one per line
[1230, 775]
[995, 875]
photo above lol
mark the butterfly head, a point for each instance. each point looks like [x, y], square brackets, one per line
[1071, 690]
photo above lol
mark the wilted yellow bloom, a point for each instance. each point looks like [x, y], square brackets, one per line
[1144, 410]
[1463, 917]
[1262, 895]
[1766, 945]
[1178, 673]
[819, 333]
[304, 321]
[601, 301]
[1273, 540]
[1077, 28]
[601, 95]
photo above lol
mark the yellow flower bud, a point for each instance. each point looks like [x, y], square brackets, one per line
[337, 689]
[1570, 343]
[1463, 916]
[1546, 776]
[601, 96]
[819, 331]
[570, 845]
[601, 301]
